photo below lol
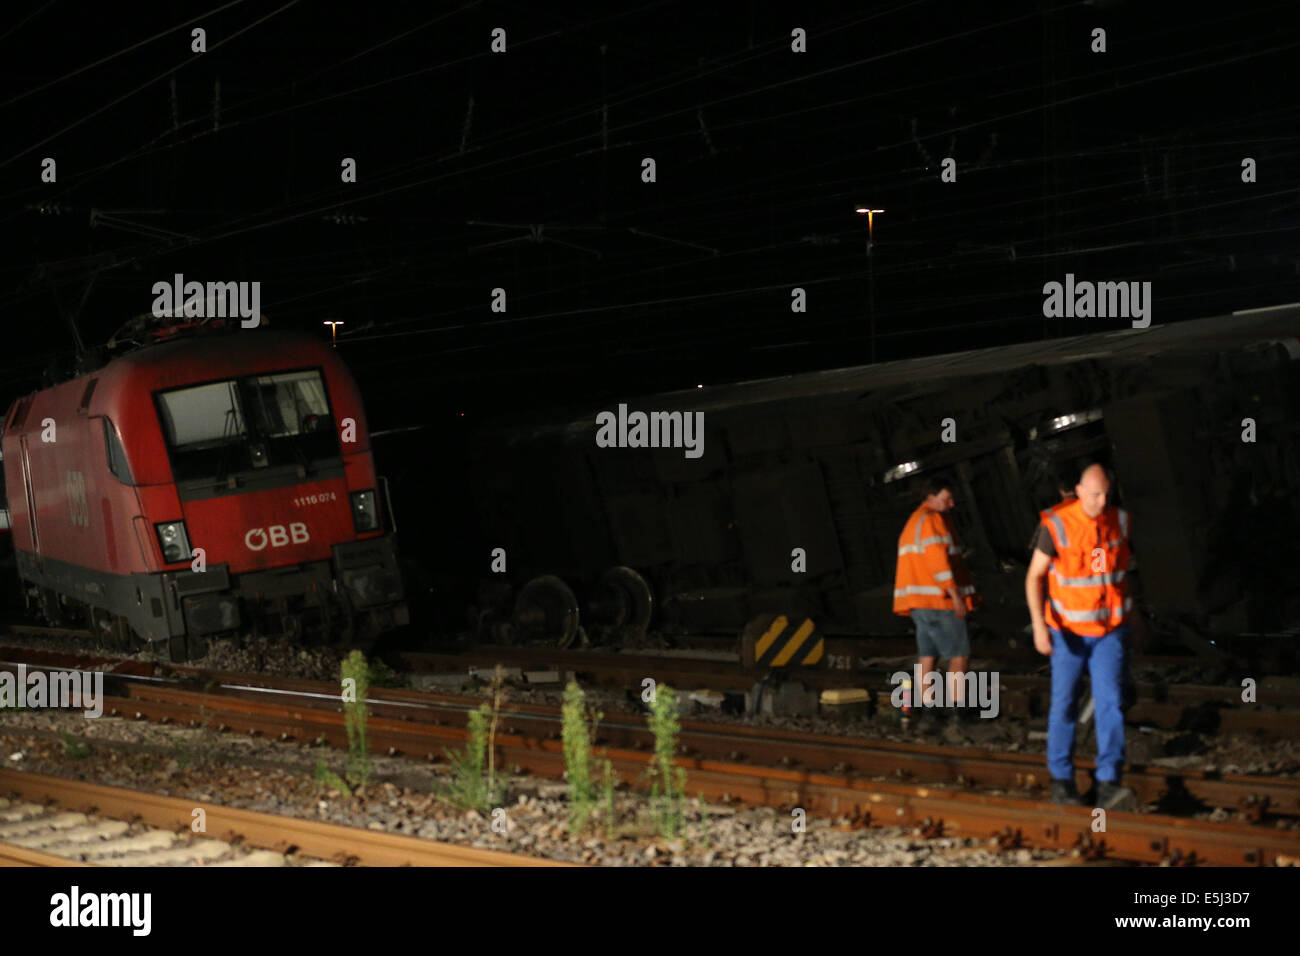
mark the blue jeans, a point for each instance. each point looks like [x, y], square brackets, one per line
[1104, 657]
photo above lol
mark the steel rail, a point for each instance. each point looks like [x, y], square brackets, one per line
[1011, 820]
[961, 766]
[1180, 789]
[283, 834]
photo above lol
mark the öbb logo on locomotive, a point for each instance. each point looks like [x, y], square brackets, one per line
[256, 539]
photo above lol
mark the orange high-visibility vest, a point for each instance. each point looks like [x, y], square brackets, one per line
[1057, 507]
[1087, 590]
[928, 561]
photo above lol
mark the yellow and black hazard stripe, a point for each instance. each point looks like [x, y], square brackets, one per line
[787, 642]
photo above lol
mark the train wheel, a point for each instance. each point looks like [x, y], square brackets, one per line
[177, 650]
[323, 608]
[621, 604]
[182, 648]
[111, 630]
[121, 634]
[50, 608]
[347, 629]
[101, 625]
[546, 610]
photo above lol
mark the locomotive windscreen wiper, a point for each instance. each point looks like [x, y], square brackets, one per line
[229, 430]
[265, 423]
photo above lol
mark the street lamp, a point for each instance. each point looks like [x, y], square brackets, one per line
[871, 221]
[871, 273]
[333, 331]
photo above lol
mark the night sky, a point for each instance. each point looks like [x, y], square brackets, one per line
[225, 165]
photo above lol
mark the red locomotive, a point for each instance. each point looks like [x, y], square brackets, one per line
[209, 482]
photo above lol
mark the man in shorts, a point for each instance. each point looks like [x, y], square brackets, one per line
[934, 589]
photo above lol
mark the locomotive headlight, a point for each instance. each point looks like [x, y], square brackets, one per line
[365, 516]
[174, 541]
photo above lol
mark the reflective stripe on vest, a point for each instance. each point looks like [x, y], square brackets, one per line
[923, 543]
[919, 589]
[1090, 581]
[930, 573]
[1096, 602]
[1061, 540]
[930, 589]
[1100, 614]
[919, 546]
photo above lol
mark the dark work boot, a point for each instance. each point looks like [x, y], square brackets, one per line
[1065, 792]
[1111, 796]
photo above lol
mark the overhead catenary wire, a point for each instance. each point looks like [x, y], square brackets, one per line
[795, 80]
[112, 56]
[132, 92]
[147, 251]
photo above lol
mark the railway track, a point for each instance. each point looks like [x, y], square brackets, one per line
[53, 821]
[19, 856]
[1208, 708]
[1177, 790]
[905, 646]
[854, 648]
[941, 790]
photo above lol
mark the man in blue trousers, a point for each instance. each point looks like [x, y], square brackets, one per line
[1083, 549]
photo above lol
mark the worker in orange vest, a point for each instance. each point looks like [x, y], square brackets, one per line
[934, 589]
[1084, 621]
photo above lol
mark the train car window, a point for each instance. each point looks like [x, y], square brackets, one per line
[117, 463]
[205, 430]
[285, 403]
[291, 412]
[202, 415]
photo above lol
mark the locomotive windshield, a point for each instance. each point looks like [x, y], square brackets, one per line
[219, 429]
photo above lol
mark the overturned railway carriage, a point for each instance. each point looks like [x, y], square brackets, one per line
[1199, 421]
[205, 484]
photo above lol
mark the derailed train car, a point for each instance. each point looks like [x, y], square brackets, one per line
[1198, 421]
[206, 483]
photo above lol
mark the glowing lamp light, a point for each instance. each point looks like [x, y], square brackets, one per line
[902, 471]
[1063, 422]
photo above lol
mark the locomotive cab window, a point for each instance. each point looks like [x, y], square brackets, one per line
[290, 413]
[217, 430]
